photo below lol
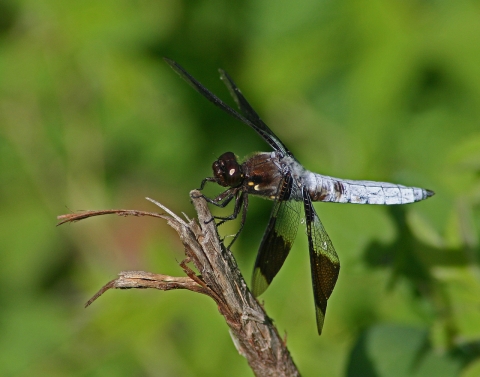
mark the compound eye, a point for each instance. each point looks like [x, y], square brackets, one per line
[227, 170]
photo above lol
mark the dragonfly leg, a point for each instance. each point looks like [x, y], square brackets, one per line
[238, 204]
[204, 182]
[222, 201]
[243, 199]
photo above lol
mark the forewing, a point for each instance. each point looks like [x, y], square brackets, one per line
[278, 238]
[247, 110]
[251, 118]
[324, 261]
[204, 91]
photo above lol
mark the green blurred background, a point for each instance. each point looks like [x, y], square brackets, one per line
[92, 118]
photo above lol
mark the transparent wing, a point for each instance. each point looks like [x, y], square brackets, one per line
[247, 110]
[278, 238]
[324, 261]
[251, 118]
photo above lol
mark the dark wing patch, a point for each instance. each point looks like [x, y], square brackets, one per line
[278, 238]
[324, 261]
[247, 110]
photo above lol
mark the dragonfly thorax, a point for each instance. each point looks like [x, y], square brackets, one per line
[227, 171]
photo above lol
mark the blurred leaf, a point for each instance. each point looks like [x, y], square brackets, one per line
[472, 370]
[398, 351]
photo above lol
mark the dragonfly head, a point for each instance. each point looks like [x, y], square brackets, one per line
[227, 171]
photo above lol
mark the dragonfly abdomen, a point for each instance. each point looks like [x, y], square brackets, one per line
[328, 189]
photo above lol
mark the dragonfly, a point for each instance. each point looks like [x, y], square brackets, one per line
[278, 176]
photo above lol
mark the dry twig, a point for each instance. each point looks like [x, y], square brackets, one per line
[253, 333]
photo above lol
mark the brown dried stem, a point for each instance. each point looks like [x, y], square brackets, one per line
[253, 333]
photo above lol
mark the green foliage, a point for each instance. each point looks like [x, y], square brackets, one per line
[92, 118]
[398, 351]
